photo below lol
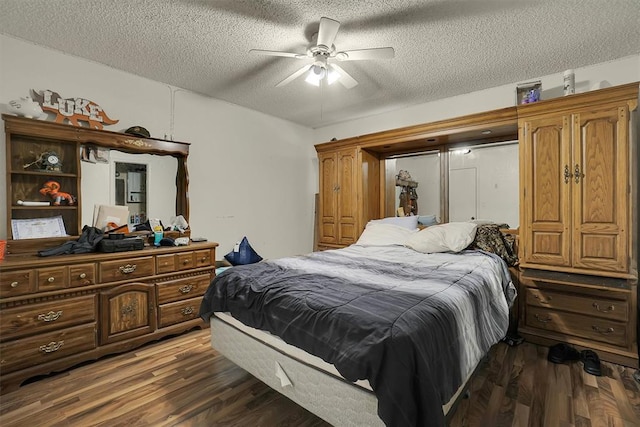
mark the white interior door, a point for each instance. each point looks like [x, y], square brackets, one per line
[463, 194]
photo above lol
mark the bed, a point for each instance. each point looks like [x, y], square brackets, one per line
[376, 333]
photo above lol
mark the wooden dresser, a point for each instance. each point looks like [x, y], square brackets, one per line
[56, 312]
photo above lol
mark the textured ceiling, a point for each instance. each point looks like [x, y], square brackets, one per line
[443, 47]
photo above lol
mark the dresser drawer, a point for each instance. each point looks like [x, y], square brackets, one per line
[46, 347]
[185, 261]
[587, 305]
[38, 318]
[181, 311]
[112, 271]
[52, 278]
[589, 327]
[82, 275]
[182, 288]
[166, 263]
[203, 258]
[19, 282]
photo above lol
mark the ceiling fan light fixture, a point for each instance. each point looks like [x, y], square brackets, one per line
[314, 75]
[332, 76]
[322, 51]
[317, 72]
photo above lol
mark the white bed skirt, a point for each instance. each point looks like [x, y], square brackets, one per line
[330, 397]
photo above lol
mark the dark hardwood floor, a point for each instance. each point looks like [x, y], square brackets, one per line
[183, 382]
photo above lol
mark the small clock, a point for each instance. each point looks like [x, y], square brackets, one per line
[51, 161]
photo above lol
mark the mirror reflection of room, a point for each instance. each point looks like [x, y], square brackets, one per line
[131, 190]
[424, 169]
[100, 185]
[483, 183]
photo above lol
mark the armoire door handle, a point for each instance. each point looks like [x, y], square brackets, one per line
[567, 174]
[577, 174]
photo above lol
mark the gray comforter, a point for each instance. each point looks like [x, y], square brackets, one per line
[413, 325]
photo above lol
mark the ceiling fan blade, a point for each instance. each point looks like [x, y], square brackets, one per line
[327, 32]
[293, 76]
[277, 53]
[346, 80]
[364, 54]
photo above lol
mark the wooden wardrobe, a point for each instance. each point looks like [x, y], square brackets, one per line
[578, 221]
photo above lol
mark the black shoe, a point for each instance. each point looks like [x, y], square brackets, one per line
[562, 352]
[591, 362]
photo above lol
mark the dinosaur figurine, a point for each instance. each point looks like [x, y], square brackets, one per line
[52, 189]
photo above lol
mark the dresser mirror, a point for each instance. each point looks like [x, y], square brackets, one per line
[145, 183]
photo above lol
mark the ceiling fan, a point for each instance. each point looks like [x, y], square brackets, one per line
[324, 53]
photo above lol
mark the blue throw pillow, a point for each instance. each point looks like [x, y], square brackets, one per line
[242, 254]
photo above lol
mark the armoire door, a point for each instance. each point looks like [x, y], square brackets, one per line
[347, 197]
[546, 178]
[600, 183]
[328, 187]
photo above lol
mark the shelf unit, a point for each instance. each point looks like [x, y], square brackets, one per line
[25, 178]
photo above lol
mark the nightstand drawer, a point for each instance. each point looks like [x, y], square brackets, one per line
[586, 305]
[38, 318]
[182, 288]
[181, 311]
[577, 325]
[47, 347]
[113, 271]
[20, 282]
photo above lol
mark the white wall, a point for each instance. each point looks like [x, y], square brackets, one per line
[250, 174]
[621, 71]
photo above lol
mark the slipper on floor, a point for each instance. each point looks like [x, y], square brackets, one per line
[591, 362]
[562, 352]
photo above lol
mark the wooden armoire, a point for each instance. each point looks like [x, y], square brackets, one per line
[349, 191]
[578, 221]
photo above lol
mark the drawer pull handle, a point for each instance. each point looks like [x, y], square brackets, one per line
[603, 331]
[606, 310]
[203, 259]
[187, 311]
[14, 284]
[542, 301]
[50, 316]
[546, 320]
[51, 347]
[51, 279]
[83, 275]
[185, 289]
[186, 261]
[127, 269]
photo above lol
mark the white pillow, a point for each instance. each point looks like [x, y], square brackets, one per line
[452, 236]
[380, 234]
[410, 222]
